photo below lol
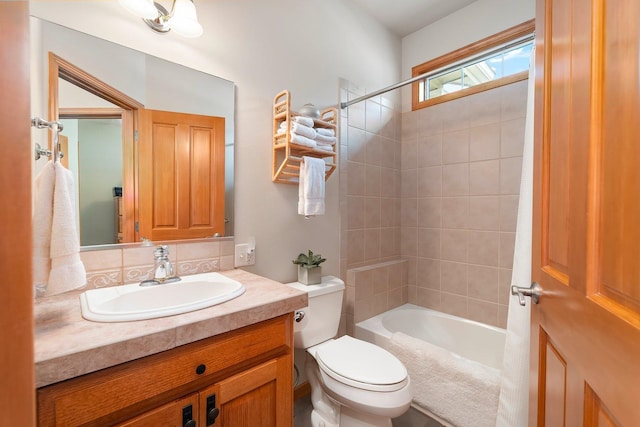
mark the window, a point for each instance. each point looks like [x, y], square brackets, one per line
[495, 61]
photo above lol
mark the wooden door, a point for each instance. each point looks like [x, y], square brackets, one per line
[585, 332]
[173, 414]
[259, 397]
[17, 399]
[181, 175]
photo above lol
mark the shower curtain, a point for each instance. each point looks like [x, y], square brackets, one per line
[514, 387]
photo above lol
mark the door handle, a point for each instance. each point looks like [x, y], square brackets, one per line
[534, 291]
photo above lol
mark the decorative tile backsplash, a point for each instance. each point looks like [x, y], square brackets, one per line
[134, 263]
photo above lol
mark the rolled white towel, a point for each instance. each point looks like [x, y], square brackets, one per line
[325, 147]
[325, 132]
[303, 140]
[303, 130]
[327, 140]
[307, 121]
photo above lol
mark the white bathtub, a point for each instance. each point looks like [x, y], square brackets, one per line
[469, 339]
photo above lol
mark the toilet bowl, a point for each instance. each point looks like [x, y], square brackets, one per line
[353, 382]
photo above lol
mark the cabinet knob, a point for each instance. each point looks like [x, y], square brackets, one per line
[212, 415]
[190, 423]
[201, 368]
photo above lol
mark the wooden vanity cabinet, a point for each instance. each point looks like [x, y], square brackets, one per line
[240, 378]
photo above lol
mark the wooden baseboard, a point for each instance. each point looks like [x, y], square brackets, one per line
[302, 390]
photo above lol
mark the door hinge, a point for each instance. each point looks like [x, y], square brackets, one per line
[136, 226]
[135, 135]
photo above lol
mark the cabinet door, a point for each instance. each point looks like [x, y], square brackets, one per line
[181, 175]
[180, 413]
[259, 397]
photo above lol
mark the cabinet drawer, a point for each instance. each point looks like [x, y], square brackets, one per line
[95, 399]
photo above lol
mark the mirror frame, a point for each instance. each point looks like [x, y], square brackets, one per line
[59, 68]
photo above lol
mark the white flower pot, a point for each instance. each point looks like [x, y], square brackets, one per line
[309, 276]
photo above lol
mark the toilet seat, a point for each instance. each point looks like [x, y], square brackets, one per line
[360, 364]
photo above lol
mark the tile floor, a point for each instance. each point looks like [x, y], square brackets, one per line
[412, 418]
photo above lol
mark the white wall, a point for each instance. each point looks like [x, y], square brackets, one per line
[264, 47]
[480, 19]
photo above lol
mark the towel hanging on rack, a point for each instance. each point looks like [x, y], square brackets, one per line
[311, 186]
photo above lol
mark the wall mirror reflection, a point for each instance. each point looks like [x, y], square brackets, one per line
[150, 142]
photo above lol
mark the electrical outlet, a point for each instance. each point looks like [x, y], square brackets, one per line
[245, 255]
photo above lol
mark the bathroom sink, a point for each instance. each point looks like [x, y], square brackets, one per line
[135, 302]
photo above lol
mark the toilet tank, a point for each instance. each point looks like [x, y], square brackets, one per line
[322, 315]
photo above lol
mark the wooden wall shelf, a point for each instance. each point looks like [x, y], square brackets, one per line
[288, 155]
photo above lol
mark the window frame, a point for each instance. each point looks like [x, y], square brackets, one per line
[468, 54]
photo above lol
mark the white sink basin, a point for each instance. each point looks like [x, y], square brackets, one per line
[135, 302]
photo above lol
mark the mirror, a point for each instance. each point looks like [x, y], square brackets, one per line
[145, 80]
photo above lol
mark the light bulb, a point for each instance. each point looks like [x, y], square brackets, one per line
[184, 19]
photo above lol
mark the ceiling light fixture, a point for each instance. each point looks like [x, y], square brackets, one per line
[182, 18]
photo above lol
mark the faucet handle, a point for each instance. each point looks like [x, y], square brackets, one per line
[161, 252]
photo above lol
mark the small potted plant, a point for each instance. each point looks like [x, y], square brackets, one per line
[309, 270]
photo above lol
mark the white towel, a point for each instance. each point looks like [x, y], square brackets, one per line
[303, 130]
[67, 271]
[311, 186]
[307, 121]
[461, 391]
[325, 132]
[302, 140]
[42, 218]
[326, 140]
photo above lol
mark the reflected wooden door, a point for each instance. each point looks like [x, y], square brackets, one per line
[585, 333]
[181, 175]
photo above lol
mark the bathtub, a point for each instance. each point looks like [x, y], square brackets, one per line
[454, 363]
[469, 339]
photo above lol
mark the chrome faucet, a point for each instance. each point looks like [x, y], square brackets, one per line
[162, 268]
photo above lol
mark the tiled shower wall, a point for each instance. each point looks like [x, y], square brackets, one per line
[370, 203]
[460, 180]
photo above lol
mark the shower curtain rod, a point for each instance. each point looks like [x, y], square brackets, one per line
[508, 45]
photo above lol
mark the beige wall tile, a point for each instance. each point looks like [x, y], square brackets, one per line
[390, 242]
[372, 212]
[484, 178]
[201, 250]
[372, 244]
[430, 212]
[104, 278]
[510, 175]
[357, 115]
[429, 151]
[512, 138]
[409, 154]
[102, 260]
[504, 286]
[484, 142]
[143, 255]
[390, 212]
[454, 245]
[507, 243]
[355, 212]
[429, 242]
[373, 151]
[455, 114]
[357, 148]
[454, 278]
[428, 298]
[409, 212]
[409, 183]
[484, 108]
[429, 183]
[388, 184]
[508, 212]
[429, 271]
[484, 213]
[455, 147]
[429, 121]
[372, 116]
[484, 247]
[409, 241]
[484, 283]
[455, 180]
[455, 212]
[372, 178]
[453, 304]
[514, 100]
[356, 179]
[389, 151]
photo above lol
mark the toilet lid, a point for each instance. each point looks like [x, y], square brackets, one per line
[361, 363]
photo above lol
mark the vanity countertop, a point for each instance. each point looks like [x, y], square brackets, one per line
[67, 345]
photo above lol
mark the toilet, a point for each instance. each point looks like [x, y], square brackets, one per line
[353, 383]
